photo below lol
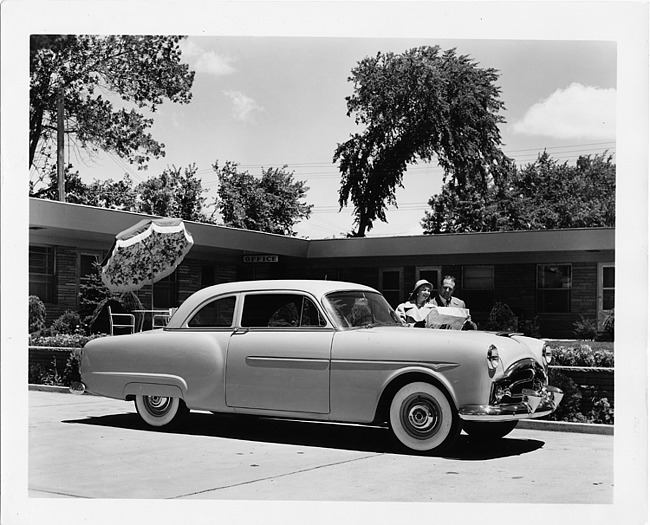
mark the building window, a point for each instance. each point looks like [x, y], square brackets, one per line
[431, 274]
[42, 278]
[478, 287]
[165, 292]
[390, 285]
[554, 288]
[608, 287]
[208, 273]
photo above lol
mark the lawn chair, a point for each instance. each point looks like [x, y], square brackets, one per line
[121, 321]
[160, 319]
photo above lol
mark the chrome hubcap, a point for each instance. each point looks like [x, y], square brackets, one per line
[156, 405]
[420, 416]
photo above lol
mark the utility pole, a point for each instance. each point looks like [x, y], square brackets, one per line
[60, 168]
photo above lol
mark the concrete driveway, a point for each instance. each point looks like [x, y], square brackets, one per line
[92, 447]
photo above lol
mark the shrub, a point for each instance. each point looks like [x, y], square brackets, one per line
[92, 291]
[530, 327]
[582, 355]
[130, 301]
[569, 409]
[608, 326]
[585, 328]
[501, 318]
[67, 323]
[39, 375]
[602, 412]
[61, 340]
[36, 314]
[72, 370]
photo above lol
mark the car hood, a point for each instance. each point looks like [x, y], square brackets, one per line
[512, 347]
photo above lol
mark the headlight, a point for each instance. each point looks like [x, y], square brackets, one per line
[493, 357]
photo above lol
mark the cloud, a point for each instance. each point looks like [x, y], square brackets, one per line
[207, 62]
[244, 108]
[576, 112]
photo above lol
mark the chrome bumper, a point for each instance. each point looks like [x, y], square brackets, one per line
[534, 404]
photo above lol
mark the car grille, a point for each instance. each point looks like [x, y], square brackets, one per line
[526, 373]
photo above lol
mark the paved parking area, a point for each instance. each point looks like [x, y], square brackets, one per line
[92, 447]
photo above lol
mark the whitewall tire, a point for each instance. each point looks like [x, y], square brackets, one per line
[422, 418]
[159, 411]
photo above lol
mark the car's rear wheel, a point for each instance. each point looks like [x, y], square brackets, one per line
[478, 430]
[159, 411]
[422, 418]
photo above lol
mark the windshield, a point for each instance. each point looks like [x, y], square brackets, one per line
[360, 308]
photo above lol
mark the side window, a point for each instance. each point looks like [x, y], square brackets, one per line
[217, 314]
[280, 310]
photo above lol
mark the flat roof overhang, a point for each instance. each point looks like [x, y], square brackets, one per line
[548, 241]
[65, 224]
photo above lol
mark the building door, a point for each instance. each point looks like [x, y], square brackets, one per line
[605, 292]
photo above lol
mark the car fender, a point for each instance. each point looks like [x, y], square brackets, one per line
[412, 374]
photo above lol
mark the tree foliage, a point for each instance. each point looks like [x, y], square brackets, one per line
[542, 195]
[109, 194]
[88, 70]
[269, 204]
[174, 193]
[420, 105]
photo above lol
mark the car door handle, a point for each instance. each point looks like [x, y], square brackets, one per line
[240, 331]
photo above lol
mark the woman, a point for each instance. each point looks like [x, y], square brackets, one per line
[418, 305]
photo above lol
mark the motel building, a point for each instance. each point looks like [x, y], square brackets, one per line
[553, 276]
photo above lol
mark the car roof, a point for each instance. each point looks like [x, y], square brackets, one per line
[317, 288]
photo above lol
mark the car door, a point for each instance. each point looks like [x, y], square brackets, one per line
[279, 357]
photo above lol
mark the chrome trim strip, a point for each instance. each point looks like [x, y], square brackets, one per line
[143, 377]
[288, 362]
[367, 363]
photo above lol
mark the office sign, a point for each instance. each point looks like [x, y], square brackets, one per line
[260, 258]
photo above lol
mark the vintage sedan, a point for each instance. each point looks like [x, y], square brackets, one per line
[323, 351]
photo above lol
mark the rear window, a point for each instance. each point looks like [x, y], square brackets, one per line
[217, 314]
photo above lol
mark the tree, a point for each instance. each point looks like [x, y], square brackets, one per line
[87, 70]
[107, 194]
[172, 194]
[269, 204]
[541, 195]
[418, 105]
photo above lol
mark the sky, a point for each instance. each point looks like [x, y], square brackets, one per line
[271, 101]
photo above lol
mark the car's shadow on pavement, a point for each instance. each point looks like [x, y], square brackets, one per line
[313, 434]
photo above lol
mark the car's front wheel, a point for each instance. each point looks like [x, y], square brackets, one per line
[478, 430]
[422, 418]
[159, 411]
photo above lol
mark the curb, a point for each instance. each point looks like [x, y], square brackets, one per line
[524, 424]
[57, 389]
[565, 426]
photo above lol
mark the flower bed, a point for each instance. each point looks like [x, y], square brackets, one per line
[585, 371]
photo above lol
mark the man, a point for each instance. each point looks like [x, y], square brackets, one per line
[445, 298]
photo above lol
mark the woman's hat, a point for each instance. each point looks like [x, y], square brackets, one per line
[421, 282]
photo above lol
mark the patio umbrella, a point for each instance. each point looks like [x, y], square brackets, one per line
[145, 253]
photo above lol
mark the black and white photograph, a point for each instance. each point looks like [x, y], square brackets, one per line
[324, 262]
